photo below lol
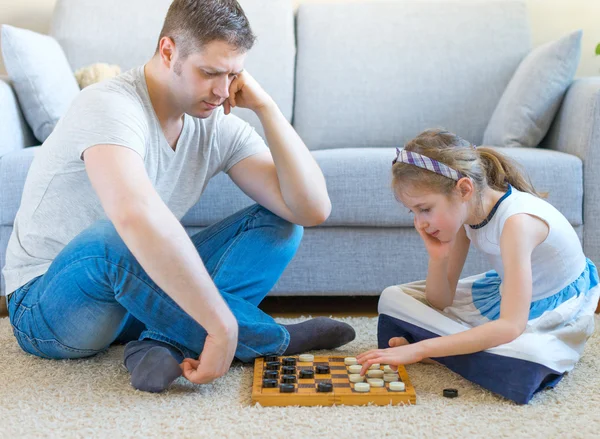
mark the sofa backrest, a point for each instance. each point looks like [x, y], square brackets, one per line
[375, 74]
[125, 33]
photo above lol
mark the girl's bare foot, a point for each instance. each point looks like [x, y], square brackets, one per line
[397, 341]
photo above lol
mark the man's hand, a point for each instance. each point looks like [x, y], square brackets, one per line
[215, 359]
[245, 92]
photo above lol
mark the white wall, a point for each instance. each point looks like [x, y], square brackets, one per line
[550, 19]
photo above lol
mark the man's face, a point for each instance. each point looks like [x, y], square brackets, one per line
[200, 82]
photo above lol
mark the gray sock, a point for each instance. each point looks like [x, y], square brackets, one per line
[153, 365]
[318, 333]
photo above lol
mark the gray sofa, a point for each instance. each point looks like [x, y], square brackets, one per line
[356, 80]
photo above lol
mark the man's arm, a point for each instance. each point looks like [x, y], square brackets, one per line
[162, 247]
[287, 181]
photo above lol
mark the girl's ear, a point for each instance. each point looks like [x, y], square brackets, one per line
[465, 188]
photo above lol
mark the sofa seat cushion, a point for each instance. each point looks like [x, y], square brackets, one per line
[359, 184]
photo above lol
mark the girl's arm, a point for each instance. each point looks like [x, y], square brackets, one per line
[522, 233]
[443, 271]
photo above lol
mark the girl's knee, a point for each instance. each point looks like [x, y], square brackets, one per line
[390, 297]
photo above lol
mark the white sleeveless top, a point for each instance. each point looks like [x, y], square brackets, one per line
[556, 262]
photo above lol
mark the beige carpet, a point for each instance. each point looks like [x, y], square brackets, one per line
[93, 398]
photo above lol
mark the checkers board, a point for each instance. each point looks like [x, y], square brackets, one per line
[305, 393]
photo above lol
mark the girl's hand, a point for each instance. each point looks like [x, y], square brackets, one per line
[435, 248]
[406, 354]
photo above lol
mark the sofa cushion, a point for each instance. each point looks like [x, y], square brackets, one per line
[5, 232]
[533, 96]
[15, 132]
[90, 34]
[41, 76]
[375, 74]
[359, 184]
[13, 172]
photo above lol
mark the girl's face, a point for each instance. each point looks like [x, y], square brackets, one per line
[439, 215]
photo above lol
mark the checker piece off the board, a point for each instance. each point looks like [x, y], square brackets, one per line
[310, 381]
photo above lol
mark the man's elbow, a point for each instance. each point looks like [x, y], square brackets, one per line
[127, 217]
[318, 215]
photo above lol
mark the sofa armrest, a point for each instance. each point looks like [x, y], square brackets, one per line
[576, 131]
[14, 130]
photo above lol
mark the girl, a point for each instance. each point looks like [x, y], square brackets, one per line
[514, 330]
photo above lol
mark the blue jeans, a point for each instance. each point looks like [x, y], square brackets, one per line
[95, 292]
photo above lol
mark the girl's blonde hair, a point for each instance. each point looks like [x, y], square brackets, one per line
[484, 166]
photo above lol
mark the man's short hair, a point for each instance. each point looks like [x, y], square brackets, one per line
[194, 23]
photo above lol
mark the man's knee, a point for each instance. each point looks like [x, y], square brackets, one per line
[286, 232]
[93, 262]
[291, 233]
[102, 231]
[101, 239]
[76, 332]
[90, 329]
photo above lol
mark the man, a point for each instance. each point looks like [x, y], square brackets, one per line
[98, 254]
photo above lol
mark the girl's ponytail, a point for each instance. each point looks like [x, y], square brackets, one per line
[501, 170]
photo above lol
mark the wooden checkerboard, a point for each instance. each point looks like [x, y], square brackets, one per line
[305, 389]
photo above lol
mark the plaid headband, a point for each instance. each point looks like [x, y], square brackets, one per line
[416, 159]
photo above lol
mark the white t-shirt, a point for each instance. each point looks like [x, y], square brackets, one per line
[58, 200]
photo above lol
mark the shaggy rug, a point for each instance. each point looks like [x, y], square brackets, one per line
[93, 398]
